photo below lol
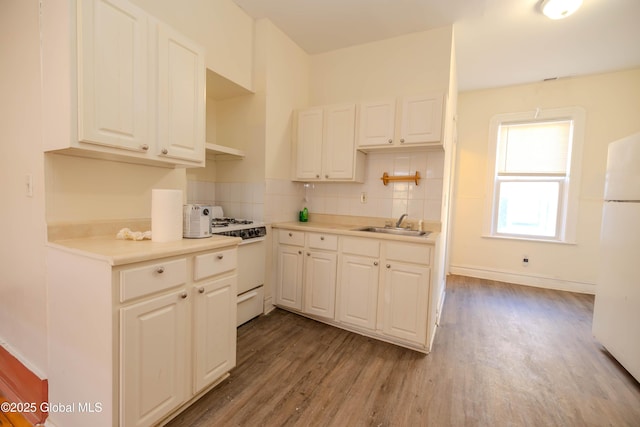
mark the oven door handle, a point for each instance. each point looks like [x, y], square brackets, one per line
[246, 296]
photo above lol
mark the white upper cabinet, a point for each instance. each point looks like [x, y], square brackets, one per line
[325, 145]
[339, 142]
[309, 144]
[113, 75]
[412, 121]
[181, 96]
[126, 87]
[377, 123]
[421, 120]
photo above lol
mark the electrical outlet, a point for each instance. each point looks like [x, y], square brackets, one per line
[363, 197]
[525, 260]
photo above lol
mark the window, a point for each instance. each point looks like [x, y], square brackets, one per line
[534, 174]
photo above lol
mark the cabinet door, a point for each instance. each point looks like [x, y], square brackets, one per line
[289, 277]
[405, 301]
[358, 290]
[181, 96]
[154, 350]
[320, 284]
[339, 142]
[214, 330]
[421, 119]
[309, 144]
[377, 123]
[113, 92]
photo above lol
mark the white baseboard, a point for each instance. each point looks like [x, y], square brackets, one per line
[524, 279]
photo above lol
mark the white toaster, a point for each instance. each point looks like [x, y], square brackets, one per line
[196, 221]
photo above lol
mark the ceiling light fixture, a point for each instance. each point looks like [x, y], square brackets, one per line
[559, 9]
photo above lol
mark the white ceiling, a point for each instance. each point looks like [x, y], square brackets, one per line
[498, 42]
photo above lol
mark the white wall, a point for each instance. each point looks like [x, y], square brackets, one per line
[406, 65]
[612, 103]
[84, 189]
[22, 286]
[220, 26]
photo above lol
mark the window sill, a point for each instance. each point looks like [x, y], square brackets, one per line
[529, 239]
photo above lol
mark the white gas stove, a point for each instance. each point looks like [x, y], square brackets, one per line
[251, 261]
[235, 227]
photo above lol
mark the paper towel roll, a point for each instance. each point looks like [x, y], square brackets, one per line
[166, 215]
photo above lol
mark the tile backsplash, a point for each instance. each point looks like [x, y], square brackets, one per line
[278, 200]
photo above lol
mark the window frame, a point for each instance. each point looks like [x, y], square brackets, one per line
[567, 213]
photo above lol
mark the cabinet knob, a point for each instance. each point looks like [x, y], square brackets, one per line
[388, 265]
[144, 147]
[318, 176]
[299, 252]
[308, 253]
[165, 151]
[390, 141]
[321, 237]
[401, 140]
[160, 270]
[326, 176]
[183, 295]
[375, 263]
[201, 290]
[290, 234]
[220, 256]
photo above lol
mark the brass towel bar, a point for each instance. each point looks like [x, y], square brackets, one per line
[386, 178]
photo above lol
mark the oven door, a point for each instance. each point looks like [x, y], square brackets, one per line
[251, 274]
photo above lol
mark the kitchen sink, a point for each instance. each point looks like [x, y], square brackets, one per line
[392, 230]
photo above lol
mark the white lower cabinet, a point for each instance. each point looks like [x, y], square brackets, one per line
[214, 330]
[289, 277]
[320, 283]
[378, 287]
[358, 282]
[405, 295]
[155, 350]
[176, 344]
[359, 291]
[145, 339]
[306, 272]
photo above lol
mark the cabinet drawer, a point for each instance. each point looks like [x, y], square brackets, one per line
[289, 237]
[213, 263]
[360, 246]
[250, 305]
[408, 252]
[323, 241]
[136, 282]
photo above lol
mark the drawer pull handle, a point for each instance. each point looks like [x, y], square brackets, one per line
[220, 256]
[160, 270]
[247, 296]
[201, 290]
[183, 295]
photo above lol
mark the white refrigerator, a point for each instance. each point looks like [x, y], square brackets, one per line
[616, 317]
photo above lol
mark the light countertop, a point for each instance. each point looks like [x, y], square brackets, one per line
[348, 230]
[120, 252]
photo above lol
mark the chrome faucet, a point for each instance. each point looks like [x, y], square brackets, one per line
[400, 220]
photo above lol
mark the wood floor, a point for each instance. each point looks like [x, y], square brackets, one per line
[504, 355]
